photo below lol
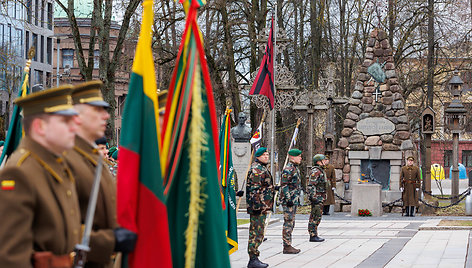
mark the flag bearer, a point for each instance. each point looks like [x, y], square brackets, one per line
[106, 237]
[260, 200]
[290, 188]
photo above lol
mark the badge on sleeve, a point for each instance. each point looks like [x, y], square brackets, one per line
[8, 185]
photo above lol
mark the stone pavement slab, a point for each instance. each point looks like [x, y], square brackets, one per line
[356, 242]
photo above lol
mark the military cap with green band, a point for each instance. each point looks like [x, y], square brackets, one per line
[50, 101]
[89, 93]
[294, 152]
[260, 151]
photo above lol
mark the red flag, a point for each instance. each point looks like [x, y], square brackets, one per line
[264, 82]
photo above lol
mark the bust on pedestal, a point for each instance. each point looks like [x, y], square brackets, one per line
[241, 151]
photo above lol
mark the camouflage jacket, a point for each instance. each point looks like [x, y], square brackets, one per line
[259, 189]
[290, 184]
[316, 185]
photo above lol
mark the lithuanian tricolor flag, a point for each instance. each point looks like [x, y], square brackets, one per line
[190, 155]
[227, 182]
[140, 205]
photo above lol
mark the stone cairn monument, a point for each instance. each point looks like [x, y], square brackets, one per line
[376, 133]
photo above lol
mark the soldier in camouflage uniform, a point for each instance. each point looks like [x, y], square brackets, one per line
[290, 198]
[316, 191]
[260, 200]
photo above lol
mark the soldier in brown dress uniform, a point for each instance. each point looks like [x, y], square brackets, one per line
[38, 200]
[410, 185]
[106, 237]
[331, 177]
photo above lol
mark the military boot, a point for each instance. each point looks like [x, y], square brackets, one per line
[291, 250]
[326, 210]
[412, 211]
[254, 262]
[316, 238]
[407, 211]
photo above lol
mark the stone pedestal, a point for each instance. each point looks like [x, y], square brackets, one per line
[241, 153]
[366, 196]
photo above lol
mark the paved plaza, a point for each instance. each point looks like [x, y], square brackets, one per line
[387, 241]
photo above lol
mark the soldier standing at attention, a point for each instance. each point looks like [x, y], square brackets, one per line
[410, 185]
[290, 188]
[260, 200]
[38, 201]
[316, 190]
[106, 237]
[331, 177]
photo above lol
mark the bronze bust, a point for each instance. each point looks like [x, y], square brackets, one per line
[241, 132]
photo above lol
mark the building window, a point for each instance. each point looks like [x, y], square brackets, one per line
[467, 158]
[2, 32]
[447, 158]
[49, 51]
[27, 44]
[19, 44]
[42, 8]
[67, 58]
[96, 59]
[41, 49]
[35, 44]
[36, 12]
[29, 4]
[50, 16]
[38, 79]
[48, 79]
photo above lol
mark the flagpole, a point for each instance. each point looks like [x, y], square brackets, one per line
[272, 123]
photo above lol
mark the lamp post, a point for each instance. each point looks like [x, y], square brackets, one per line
[454, 117]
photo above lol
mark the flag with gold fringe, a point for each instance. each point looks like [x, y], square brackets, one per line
[140, 200]
[15, 129]
[227, 182]
[190, 157]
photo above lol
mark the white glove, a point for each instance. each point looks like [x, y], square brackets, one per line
[417, 189]
[401, 189]
[333, 188]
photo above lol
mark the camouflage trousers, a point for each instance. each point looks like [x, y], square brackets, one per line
[256, 234]
[289, 223]
[315, 218]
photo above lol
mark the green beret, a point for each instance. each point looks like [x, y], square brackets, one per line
[294, 152]
[260, 151]
[318, 157]
[112, 150]
[114, 155]
[2, 143]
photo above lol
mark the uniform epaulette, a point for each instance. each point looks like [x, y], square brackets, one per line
[24, 154]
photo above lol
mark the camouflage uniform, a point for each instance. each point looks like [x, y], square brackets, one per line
[316, 191]
[289, 191]
[260, 200]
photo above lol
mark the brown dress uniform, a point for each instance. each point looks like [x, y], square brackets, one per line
[409, 181]
[83, 159]
[331, 176]
[38, 204]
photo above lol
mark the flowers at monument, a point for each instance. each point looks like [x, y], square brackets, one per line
[364, 212]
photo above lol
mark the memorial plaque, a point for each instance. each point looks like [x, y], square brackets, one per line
[375, 126]
[376, 171]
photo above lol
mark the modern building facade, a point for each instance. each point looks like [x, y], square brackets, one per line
[22, 26]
